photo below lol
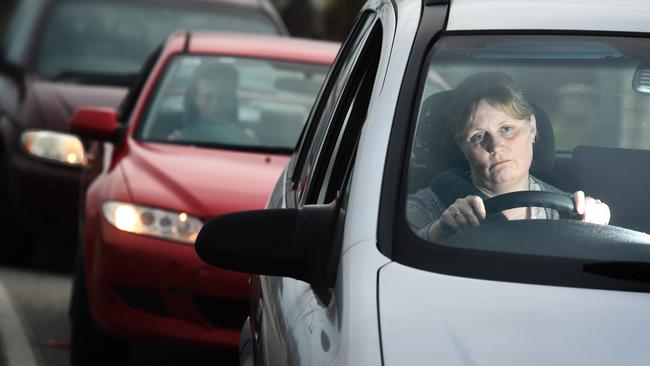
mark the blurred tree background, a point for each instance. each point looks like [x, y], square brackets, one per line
[322, 19]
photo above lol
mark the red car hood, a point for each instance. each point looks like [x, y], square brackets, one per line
[203, 182]
[50, 105]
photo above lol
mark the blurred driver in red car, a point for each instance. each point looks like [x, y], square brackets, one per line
[211, 107]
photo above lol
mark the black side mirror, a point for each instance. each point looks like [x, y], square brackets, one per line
[293, 243]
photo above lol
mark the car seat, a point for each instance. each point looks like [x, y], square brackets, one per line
[615, 175]
[279, 128]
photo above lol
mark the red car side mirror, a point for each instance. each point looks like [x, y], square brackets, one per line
[95, 122]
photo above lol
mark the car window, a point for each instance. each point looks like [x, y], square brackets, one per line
[230, 101]
[108, 37]
[328, 105]
[543, 116]
[339, 148]
[20, 29]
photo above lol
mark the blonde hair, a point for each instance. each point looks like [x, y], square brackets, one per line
[496, 88]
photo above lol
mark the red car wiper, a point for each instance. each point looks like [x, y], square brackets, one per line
[82, 77]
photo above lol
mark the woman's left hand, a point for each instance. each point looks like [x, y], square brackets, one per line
[591, 209]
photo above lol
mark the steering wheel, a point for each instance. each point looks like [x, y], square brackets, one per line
[557, 201]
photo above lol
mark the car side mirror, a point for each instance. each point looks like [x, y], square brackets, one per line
[97, 123]
[293, 243]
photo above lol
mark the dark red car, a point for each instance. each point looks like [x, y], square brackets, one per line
[60, 54]
[210, 130]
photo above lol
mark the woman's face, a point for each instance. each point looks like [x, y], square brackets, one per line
[499, 148]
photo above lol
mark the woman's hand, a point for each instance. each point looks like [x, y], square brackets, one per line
[591, 209]
[463, 214]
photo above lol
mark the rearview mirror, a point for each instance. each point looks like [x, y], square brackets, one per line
[96, 122]
[293, 243]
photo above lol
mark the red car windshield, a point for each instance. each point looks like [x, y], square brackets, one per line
[114, 37]
[244, 103]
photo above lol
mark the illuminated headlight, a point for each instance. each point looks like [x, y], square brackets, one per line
[177, 226]
[56, 146]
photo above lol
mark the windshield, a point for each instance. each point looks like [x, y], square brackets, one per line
[249, 103]
[114, 37]
[20, 27]
[534, 146]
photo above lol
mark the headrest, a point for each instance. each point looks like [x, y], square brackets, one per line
[434, 136]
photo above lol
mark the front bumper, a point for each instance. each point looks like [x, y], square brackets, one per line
[158, 291]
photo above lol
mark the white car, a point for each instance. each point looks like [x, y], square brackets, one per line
[352, 269]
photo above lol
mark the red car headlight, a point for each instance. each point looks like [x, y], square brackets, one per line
[176, 226]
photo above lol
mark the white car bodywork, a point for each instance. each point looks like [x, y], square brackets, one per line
[460, 321]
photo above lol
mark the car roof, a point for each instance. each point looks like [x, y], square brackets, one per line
[253, 3]
[248, 3]
[250, 45]
[587, 15]
[264, 6]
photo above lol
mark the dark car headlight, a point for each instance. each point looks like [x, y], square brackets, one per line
[55, 146]
[171, 225]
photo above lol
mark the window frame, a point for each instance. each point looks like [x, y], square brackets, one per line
[162, 78]
[397, 240]
[299, 171]
[344, 136]
[128, 104]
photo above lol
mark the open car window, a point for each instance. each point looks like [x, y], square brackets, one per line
[550, 115]
[245, 103]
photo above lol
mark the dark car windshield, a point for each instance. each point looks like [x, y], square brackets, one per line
[246, 103]
[87, 38]
[546, 116]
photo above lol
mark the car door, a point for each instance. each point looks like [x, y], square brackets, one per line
[294, 323]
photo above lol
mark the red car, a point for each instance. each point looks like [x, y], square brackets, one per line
[212, 123]
[60, 54]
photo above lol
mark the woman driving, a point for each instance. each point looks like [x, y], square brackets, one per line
[494, 127]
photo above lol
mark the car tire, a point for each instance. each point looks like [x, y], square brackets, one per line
[89, 344]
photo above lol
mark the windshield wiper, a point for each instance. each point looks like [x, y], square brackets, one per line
[630, 271]
[274, 150]
[83, 77]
